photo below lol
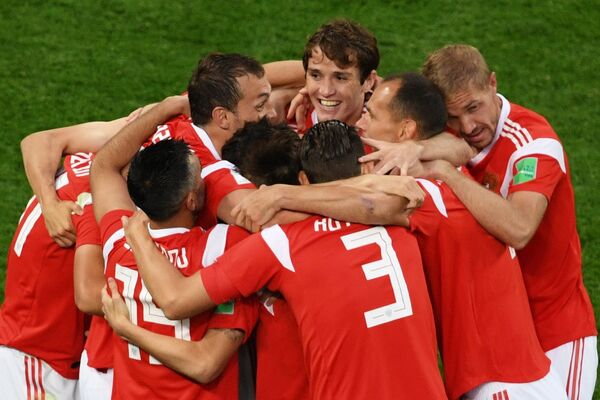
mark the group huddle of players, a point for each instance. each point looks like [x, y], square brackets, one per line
[303, 230]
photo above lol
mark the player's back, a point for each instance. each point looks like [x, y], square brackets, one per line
[360, 299]
[136, 373]
[39, 315]
[477, 291]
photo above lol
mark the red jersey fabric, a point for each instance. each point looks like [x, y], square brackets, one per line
[220, 176]
[137, 375]
[484, 325]
[99, 344]
[359, 296]
[39, 315]
[280, 371]
[527, 155]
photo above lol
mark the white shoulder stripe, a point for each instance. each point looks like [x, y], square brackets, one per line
[512, 138]
[205, 139]
[279, 244]
[215, 244]
[110, 244]
[209, 169]
[511, 125]
[436, 195]
[545, 146]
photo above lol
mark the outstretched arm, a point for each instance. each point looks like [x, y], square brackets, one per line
[178, 296]
[400, 158]
[42, 153]
[202, 360]
[367, 199]
[108, 186]
[513, 221]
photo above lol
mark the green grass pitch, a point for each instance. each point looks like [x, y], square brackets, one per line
[68, 61]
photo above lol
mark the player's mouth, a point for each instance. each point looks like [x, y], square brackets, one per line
[329, 103]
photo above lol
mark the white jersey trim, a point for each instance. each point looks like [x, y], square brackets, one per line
[544, 146]
[223, 164]
[436, 195]
[160, 233]
[110, 244]
[203, 136]
[505, 110]
[279, 244]
[215, 244]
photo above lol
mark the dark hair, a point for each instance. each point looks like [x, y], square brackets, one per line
[330, 151]
[264, 153]
[421, 100]
[346, 43]
[214, 83]
[160, 176]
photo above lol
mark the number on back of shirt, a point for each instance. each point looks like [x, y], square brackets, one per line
[151, 313]
[388, 265]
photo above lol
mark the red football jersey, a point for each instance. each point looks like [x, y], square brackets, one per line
[526, 155]
[359, 296]
[39, 315]
[138, 375]
[220, 176]
[99, 344]
[280, 371]
[485, 328]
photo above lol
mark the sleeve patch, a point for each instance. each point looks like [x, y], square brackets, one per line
[526, 170]
[225, 308]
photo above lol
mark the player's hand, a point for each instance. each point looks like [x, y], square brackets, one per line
[437, 169]
[257, 208]
[114, 307]
[57, 216]
[298, 110]
[136, 228]
[402, 186]
[394, 158]
[177, 105]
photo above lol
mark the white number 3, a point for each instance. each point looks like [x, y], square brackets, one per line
[387, 265]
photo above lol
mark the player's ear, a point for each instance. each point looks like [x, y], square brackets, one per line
[303, 178]
[409, 130]
[220, 117]
[493, 83]
[369, 83]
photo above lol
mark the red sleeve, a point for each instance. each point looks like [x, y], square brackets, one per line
[88, 231]
[111, 222]
[241, 271]
[425, 219]
[221, 179]
[536, 173]
[235, 234]
[239, 314]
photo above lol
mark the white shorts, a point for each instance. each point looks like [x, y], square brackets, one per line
[546, 388]
[25, 377]
[94, 384]
[575, 364]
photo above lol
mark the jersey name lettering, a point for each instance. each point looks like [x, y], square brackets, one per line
[328, 225]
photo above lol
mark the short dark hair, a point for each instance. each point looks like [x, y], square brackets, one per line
[265, 153]
[421, 100]
[346, 43]
[160, 176]
[330, 151]
[214, 83]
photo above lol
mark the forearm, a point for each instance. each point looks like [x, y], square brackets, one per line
[344, 202]
[446, 147]
[497, 215]
[285, 74]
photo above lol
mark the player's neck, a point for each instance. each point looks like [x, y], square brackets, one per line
[217, 135]
[180, 220]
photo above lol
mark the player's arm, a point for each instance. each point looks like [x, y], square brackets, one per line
[285, 74]
[400, 158]
[202, 360]
[366, 199]
[108, 186]
[88, 276]
[177, 295]
[42, 153]
[514, 220]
